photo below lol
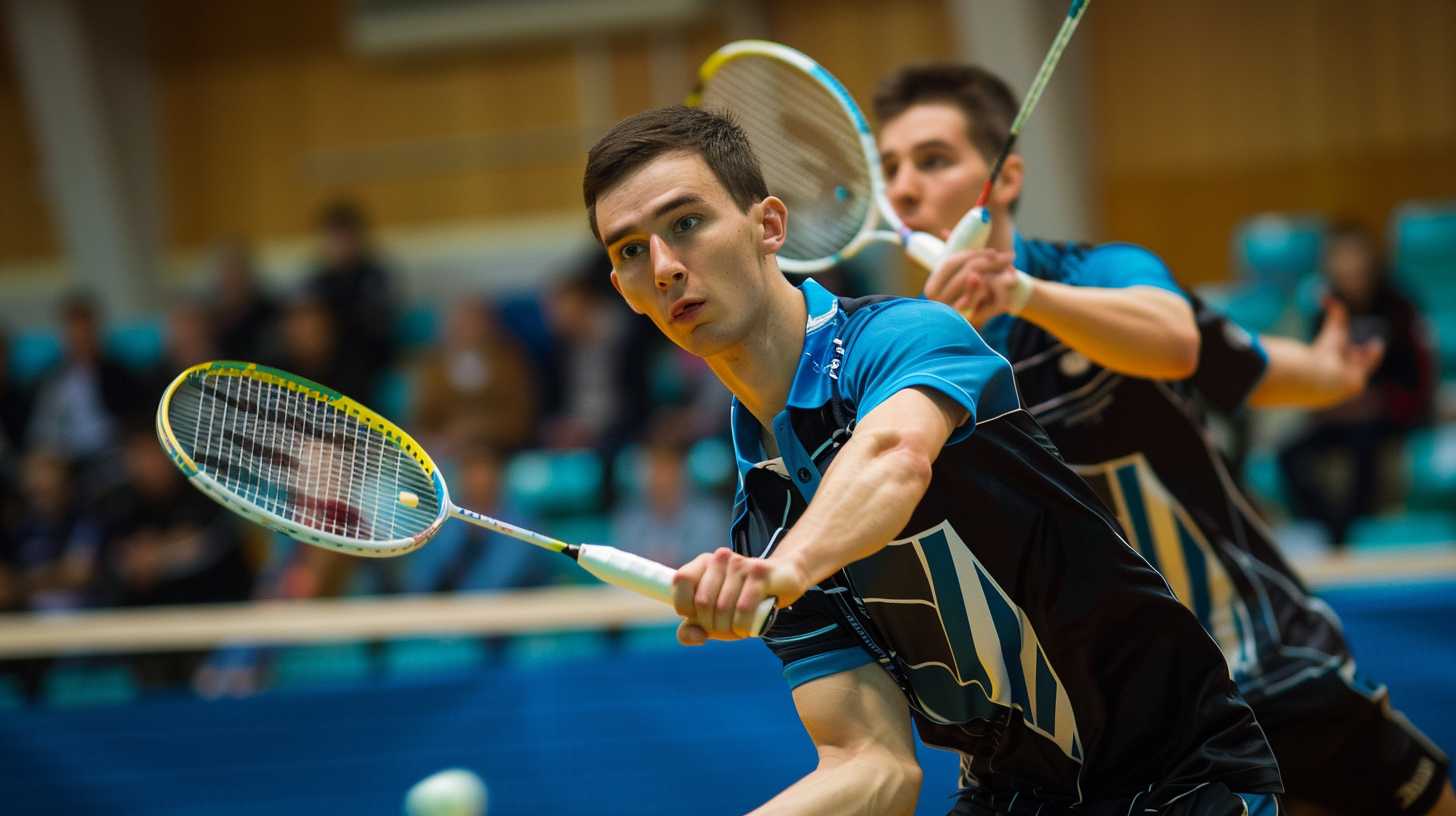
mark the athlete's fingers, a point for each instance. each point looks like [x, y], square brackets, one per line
[685, 585]
[691, 634]
[749, 598]
[723, 612]
[705, 600]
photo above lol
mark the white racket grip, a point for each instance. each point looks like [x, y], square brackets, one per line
[925, 249]
[646, 577]
[972, 232]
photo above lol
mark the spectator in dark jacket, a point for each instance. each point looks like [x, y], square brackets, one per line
[1399, 397]
[245, 315]
[355, 287]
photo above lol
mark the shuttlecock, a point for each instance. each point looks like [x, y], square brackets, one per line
[453, 792]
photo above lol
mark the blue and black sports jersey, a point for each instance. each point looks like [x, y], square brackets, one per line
[1024, 631]
[1142, 446]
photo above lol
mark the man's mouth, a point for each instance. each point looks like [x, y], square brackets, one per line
[685, 308]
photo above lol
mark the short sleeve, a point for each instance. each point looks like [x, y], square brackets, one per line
[915, 343]
[1118, 266]
[1231, 363]
[812, 643]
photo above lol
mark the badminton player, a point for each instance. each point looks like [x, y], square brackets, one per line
[933, 558]
[1108, 352]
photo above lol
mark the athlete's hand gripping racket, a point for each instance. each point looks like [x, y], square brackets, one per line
[315, 465]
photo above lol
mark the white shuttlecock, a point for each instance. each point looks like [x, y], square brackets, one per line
[453, 792]
[409, 499]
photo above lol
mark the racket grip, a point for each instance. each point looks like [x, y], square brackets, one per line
[647, 577]
[925, 249]
[972, 232]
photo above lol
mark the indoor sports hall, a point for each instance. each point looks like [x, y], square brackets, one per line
[379, 203]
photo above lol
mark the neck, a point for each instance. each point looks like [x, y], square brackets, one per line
[760, 370]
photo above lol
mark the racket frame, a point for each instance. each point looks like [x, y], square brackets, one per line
[926, 249]
[216, 491]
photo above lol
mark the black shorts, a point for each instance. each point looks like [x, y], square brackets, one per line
[1341, 746]
[1213, 799]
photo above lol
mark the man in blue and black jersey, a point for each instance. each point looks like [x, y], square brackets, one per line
[933, 558]
[1108, 353]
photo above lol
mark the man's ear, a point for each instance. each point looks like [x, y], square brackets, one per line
[773, 218]
[616, 284]
[1008, 184]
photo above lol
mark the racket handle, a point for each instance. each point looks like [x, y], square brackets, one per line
[924, 248]
[647, 577]
[972, 232]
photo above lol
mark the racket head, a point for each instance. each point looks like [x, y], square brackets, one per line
[301, 458]
[814, 144]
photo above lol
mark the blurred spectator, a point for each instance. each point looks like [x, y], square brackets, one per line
[463, 557]
[668, 522]
[51, 561]
[80, 403]
[189, 341]
[692, 401]
[309, 346]
[245, 314]
[476, 386]
[602, 396]
[355, 288]
[167, 543]
[15, 402]
[1400, 395]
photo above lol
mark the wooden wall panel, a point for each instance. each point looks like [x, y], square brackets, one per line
[1207, 114]
[26, 230]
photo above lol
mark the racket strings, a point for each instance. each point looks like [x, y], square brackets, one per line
[300, 458]
[810, 150]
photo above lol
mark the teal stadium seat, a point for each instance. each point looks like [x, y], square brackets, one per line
[32, 354]
[709, 464]
[322, 664]
[1405, 530]
[431, 656]
[417, 327]
[77, 685]
[1430, 469]
[546, 648]
[139, 343]
[555, 483]
[1263, 480]
[1278, 251]
[391, 395]
[1425, 254]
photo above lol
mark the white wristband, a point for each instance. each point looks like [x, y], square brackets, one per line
[1020, 292]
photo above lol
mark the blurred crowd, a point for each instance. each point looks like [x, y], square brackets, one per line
[558, 409]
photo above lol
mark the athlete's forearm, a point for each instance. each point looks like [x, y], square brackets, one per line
[870, 784]
[1141, 331]
[865, 498]
[869, 492]
[1297, 377]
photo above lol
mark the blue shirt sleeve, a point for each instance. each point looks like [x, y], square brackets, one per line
[1118, 266]
[916, 343]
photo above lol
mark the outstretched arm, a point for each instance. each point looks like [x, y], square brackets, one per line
[861, 729]
[1320, 374]
[1141, 331]
[865, 497]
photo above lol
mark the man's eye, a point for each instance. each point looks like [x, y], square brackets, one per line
[686, 223]
[631, 251]
[934, 162]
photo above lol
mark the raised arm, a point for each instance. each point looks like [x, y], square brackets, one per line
[1139, 330]
[865, 497]
[1320, 374]
[861, 729]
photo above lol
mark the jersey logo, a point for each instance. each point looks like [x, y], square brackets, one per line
[1074, 364]
[967, 647]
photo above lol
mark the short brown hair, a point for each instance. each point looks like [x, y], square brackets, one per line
[639, 139]
[984, 98]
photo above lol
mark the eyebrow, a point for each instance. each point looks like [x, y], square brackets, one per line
[885, 154]
[666, 207]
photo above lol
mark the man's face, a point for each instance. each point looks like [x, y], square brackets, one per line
[932, 171]
[683, 254]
